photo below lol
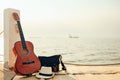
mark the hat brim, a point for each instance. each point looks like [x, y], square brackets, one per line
[41, 76]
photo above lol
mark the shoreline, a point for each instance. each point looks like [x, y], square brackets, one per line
[114, 64]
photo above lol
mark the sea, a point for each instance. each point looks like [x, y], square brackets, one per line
[76, 50]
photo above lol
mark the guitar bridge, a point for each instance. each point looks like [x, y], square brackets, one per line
[29, 62]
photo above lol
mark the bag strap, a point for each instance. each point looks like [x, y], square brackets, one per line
[63, 66]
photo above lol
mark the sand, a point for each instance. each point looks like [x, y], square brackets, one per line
[74, 72]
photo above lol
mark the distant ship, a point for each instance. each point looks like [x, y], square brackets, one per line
[70, 36]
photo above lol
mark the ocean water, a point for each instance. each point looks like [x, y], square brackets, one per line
[79, 50]
[76, 50]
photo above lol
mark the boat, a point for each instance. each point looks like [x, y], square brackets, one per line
[70, 36]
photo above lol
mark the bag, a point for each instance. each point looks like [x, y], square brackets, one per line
[52, 61]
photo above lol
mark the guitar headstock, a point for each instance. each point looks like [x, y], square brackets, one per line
[16, 16]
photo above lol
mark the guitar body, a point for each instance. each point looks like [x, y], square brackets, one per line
[26, 63]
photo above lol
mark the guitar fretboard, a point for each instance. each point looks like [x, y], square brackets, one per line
[21, 35]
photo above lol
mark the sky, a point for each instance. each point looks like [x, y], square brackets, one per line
[63, 17]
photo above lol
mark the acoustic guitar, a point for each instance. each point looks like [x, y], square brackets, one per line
[26, 60]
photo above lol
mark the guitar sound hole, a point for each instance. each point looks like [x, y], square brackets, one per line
[25, 51]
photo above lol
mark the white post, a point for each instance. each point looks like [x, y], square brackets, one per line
[10, 36]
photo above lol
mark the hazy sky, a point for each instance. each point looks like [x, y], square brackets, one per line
[84, 17]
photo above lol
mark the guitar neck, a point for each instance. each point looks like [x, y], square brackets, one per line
[21, 35]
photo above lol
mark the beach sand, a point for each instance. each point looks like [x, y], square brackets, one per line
[75, 72]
